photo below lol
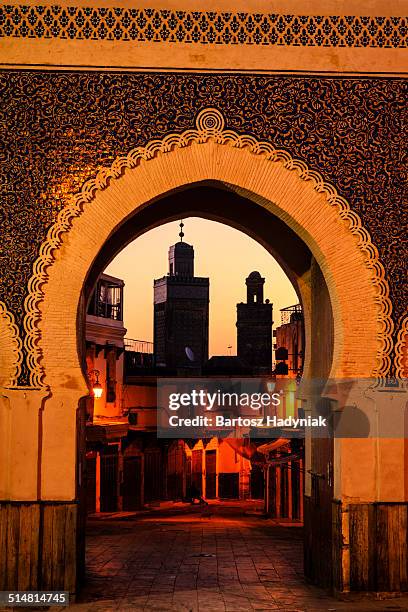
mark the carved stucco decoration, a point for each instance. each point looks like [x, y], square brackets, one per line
[10, 348]
[401, 351]
[210, 124]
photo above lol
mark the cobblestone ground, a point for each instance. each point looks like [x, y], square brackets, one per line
[185, 560]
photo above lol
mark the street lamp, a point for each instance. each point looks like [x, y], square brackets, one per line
[97, 388]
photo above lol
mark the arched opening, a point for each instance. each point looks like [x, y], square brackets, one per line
[207, 201]
[213, 201]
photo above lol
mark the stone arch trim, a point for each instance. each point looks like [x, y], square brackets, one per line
[10, 348]
[210, 128]
[401, 351]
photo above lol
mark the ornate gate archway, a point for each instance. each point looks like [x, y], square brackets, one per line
[273, 180]
[285, 186]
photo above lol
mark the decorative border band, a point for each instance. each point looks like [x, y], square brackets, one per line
[205, 27]
[401, 367]
[14, 339]
[209, 125]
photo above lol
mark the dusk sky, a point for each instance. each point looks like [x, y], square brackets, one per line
[222, 253]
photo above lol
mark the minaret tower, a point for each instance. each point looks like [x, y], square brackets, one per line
[181, 302]
[254, 327]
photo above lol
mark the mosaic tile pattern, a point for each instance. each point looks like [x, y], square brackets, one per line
[58, 128]
[206, 27]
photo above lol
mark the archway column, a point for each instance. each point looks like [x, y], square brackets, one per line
[20, 432]
[37, 536]
[59, 452]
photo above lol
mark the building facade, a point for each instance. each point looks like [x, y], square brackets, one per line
[289, 341]
[105, 333]
[124, 463]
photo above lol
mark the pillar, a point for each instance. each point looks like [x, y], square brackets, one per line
[366, 519]
[98, 481]
[38, 490]
[289, 490]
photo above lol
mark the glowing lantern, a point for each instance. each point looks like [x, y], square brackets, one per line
[97, 388]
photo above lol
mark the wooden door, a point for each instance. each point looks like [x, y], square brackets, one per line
[257, 482]
[285, 494]
[90, 485]
[188, 474]
[153, 475]
[109, 483]
[175, 472]
[197, 470]
[297, 491]
[132, 482]
[319, 517]
[210, 474]
[228, 486]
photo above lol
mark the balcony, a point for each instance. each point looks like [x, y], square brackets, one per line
[291, 314]
[139, 357]
[107, 299]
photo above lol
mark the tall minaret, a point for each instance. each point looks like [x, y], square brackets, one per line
[181, 312]
[254, 327]
[181, 257]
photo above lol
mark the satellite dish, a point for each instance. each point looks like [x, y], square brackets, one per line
[189, 353]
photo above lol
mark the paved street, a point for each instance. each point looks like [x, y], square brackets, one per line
[183, 560]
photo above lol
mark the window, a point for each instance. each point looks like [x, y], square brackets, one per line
[107, 300]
